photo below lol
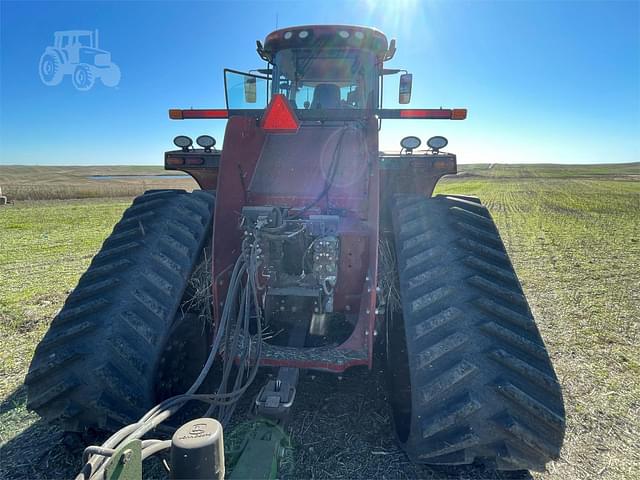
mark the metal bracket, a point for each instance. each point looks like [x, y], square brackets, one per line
[277, 396]
[126, 462]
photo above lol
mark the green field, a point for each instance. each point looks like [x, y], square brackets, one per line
[573, 233]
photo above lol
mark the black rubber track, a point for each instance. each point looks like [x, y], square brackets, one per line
[482, 386]
[97, 364]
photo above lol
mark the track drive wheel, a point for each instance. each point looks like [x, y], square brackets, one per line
[470, 378]
[99, 364]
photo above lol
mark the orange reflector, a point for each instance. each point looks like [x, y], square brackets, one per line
[441, 164]
[458, 114]
[193, 113]
[279, 116]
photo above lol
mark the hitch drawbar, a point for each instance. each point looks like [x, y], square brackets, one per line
[197, 451]
[276, 397]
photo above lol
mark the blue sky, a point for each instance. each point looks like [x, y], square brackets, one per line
[543, 81]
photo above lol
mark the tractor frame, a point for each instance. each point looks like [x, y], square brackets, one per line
[258, 167]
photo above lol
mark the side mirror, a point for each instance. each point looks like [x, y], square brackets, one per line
[250, 89]
[404, 94]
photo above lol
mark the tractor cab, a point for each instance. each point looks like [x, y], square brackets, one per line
[322, 79]
[324, 69]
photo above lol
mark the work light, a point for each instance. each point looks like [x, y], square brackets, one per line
[410, 143]
[436, 143]
[183, 142]
[206, 142]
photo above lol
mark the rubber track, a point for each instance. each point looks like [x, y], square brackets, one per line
[96, 364]
[482, 385]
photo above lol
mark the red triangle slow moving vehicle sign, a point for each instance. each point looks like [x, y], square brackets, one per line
[279, 116]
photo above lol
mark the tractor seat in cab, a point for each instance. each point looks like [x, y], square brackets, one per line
[326, 95]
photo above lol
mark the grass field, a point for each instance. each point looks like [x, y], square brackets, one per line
[19, 182]
[573, 233]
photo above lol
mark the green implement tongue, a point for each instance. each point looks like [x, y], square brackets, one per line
[126, 463]
[260, 454]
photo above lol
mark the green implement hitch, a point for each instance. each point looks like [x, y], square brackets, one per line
[261, 452]
[126, 462]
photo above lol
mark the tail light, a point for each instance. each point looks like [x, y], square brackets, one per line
[177, 114]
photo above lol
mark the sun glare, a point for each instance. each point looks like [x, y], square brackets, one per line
[398, 15]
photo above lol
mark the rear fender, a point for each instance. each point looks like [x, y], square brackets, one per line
[201, 165]
[411, 174]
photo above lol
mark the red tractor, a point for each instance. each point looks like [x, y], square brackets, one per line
[306, 248]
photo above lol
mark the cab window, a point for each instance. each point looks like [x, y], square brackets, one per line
[332, 79]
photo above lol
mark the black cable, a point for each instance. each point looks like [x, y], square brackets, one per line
[333, 168]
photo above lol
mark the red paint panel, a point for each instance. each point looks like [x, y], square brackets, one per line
[353, 264]
[254, 170]
[293, 169]
[313, 365]
[374, 232]
[243, 142]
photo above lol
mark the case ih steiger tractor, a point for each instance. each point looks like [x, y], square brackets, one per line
[304, 249]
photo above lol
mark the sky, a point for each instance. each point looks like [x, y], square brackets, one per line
[544, 81]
